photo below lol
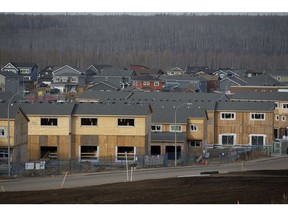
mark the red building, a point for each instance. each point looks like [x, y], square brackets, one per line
[148, 83]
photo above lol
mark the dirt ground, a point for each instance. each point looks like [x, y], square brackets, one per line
[257, 187]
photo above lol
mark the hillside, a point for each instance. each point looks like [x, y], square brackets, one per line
[160, 41]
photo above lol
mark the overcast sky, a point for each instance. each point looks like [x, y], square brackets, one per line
[144, 6]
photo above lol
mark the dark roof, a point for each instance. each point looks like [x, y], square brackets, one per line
[17, 64]
[146, 77]
[104, 85]
[113, 108]
[14, 107]
[167, 136]
[104, 95]
[54, 109]
[260, 96]
[165, 112]
[280, 72]
[9, 74]
[262, 80]
[245, 106]
[115, 71]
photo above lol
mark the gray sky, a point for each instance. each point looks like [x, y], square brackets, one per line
[133, 6]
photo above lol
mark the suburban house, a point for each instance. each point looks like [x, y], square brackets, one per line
[46, 75]
[68, 79]
[147, 83]
[92, 71]
[281, 75]
[27, 71]
[185, 83]
[174, 71]
[118, 77]
[9, 82]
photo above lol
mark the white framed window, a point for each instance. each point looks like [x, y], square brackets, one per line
[227, 115]
[257, 139]
[156, 128]
[257, 116]
[178, 128]
[284, 105]
[283, 118]
[144, 83]
[3, 132]
[49, 122]
[156, 83]
[148, 83]
[227, 139]
[121, 151]
[276, 117]
[126, 122]
[193, 127]
[89, 121]
[279, 78]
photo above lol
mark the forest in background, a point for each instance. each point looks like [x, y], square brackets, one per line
[156, 41]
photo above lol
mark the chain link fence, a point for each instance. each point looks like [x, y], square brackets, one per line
[50, 167]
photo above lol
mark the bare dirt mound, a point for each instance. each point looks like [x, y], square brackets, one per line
[258, 187]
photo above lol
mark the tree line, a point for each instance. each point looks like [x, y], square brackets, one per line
[156, 41]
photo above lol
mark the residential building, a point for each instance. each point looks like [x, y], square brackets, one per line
[147, 83]
[108, 131]
[9, 82]
[68, 79]
[27, 71]
[87, 131]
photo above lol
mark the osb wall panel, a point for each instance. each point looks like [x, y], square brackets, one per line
[109, 126]
[195, 135]
[35, 128]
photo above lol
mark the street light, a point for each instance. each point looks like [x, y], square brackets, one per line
[175, 129]
[8, 115]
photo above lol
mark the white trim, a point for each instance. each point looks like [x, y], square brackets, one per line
[228, 134]
[283, 118]
[255, 113]
[263, 135]
[173, 125]
[228, 113]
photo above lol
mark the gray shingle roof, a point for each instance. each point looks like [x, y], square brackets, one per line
[260, 96]
[56, 109]
[14, 107]
[167, 136]
[245, 106]
[165, 113]
[9, 74]
[117, 108]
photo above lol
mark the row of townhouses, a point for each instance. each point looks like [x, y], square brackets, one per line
[103, 124]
